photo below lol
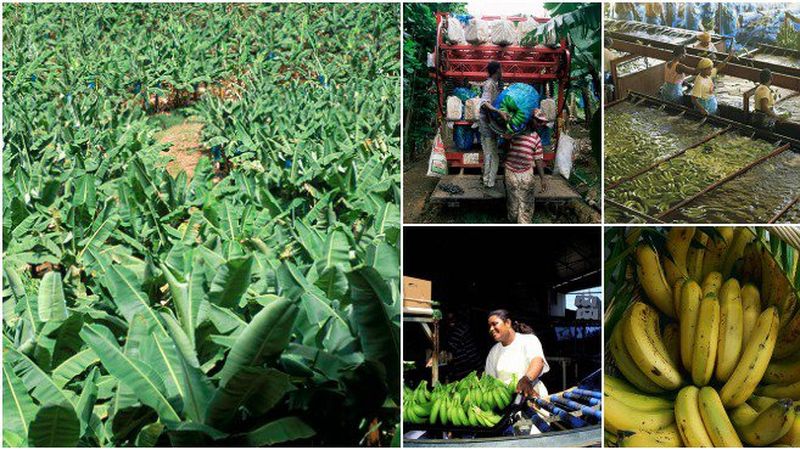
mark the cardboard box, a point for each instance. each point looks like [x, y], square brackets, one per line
[416, 293]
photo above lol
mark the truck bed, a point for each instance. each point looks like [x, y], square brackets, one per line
[558, 189]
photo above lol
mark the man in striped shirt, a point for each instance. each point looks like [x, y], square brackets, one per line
[525, 151]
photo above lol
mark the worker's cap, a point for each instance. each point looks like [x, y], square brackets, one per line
[704, 37]
[705, 63]
[539, 115]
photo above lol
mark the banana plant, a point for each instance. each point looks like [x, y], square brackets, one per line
[142, 308]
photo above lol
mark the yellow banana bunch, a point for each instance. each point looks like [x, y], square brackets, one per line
[718, 308]
[645, 346]
[627, 366]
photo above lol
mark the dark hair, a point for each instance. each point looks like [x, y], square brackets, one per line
[493, 67]
[608, 42]
[765, 75]
[519, 327]
[679, 51]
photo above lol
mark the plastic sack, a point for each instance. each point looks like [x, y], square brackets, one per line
[502, 32]
[549, 108]
[523, 28]
[464, 93]
[463, 136]
[455, 31]
[518, 100]
[455, 108]
[437, 163]
[477, 32]
[565, 153]
[472, 109]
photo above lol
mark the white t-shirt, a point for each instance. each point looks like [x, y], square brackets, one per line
[504, 362]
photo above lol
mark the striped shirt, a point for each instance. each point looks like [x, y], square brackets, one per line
[525, 148]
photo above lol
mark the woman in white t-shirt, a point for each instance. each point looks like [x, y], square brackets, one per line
[517, 355]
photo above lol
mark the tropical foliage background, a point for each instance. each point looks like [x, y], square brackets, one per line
[141, 308]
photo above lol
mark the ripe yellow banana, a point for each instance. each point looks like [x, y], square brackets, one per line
[789, 337]
[731, 320]
[665, 437]
[711, 283]
[767, 426]
[671, 338]
[687, 416]
[753, 363]
[783, 371]
[760, 403]
[751, 309]
[644, 343]
[678, 241]
[620, 417]
[792, 437]
[791, 391]
[704, 355]
[628, 395]
[627, 366]
[716, 248]
[690, 310]
[715, 419]
[652, 280]
[677, 291]
[741, 237]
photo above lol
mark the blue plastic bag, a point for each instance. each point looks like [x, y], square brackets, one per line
[464, 94]
[525, 97]
[463, 137]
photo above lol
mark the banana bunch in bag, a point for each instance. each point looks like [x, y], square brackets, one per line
[711, 355]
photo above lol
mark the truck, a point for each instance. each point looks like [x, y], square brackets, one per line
[540, 66]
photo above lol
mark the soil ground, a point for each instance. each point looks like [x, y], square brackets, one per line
[184, 136]
[417, 188]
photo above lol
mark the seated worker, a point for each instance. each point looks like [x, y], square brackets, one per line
[674, 74]
[703, 97]
[704, 42]
[524, 152]
[764, 110]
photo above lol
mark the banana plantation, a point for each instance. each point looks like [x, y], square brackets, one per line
[249, 308]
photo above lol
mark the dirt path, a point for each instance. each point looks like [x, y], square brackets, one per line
[186, 149]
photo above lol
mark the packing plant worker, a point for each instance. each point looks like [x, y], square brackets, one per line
[703, 97]
[674, 74]
[704, 42]
[764, 112]
[517, 355]
[491, 89]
